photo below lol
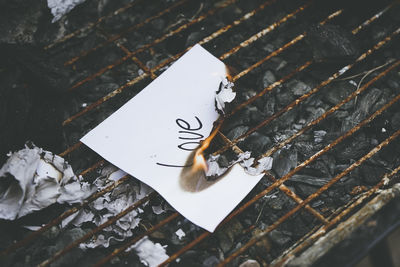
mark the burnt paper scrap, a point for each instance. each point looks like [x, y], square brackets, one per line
[153, 134]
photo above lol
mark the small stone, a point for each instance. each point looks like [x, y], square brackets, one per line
[158, 24]
[250, 263]
[210, 261]
[335, 93]
[395, 121]
[314, 113]
[284, 161]
[193, 38]
[279, 237]
[298, 87]
[236, 132]
[257, 143]
[268, 78]
[269, 107]
[364, 107]
[371, 174]
[353, 150]
[228, 235]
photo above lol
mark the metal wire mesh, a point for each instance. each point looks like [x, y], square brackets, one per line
[326, 223]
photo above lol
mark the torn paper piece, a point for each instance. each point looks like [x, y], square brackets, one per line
[61, 7]
[150, 254]
[225, 94]
[214, 170]
[180, 233]
[264, 164]
[153, 144]
[33, 179]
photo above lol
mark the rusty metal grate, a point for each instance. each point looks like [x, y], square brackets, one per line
[326, 223]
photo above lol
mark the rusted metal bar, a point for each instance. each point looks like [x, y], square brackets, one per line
[132, 28]
[255, 239]
[92, 24]
[283, 179]
[373, 18]
[330, 111]
[93, 167]
[76, 243]
[216, 34]
[127, 52]
[313, 91]
[282, 187]
[156, 41]
[323, 230]
[136, 239]
[270, 88]
[63, 216]
[70, 149]
[263, 32]
[141, 77]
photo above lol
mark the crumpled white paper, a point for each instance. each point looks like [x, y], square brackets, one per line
[61, 7]
[150, 254]
[33, 179]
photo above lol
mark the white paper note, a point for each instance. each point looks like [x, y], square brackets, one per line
[159, 127]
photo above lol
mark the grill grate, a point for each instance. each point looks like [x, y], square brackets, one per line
[325, 222]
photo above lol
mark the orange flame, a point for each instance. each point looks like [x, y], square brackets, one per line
[199, 162]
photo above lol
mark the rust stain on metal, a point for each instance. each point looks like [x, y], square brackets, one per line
[118, 36]
[314, 90]
[260, 34]
[308, 199]
[330, 111]
[282, 187]
[157, 41]
[93, 167]
[323, 230]
[70, 149]
[373, 18]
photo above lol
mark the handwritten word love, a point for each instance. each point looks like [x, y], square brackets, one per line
[189, 134]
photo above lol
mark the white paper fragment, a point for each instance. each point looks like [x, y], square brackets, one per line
[225, 95]
[61, 7]
[264, 164]
[150, 254]
[213, 167]
[180, 233]
[33, 179]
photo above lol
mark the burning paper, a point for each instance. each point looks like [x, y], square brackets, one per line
[153, 135]
[33, 179]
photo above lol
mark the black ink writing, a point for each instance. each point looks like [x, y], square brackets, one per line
[188, 132]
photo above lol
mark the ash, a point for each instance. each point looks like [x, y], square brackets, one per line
[332, 54]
